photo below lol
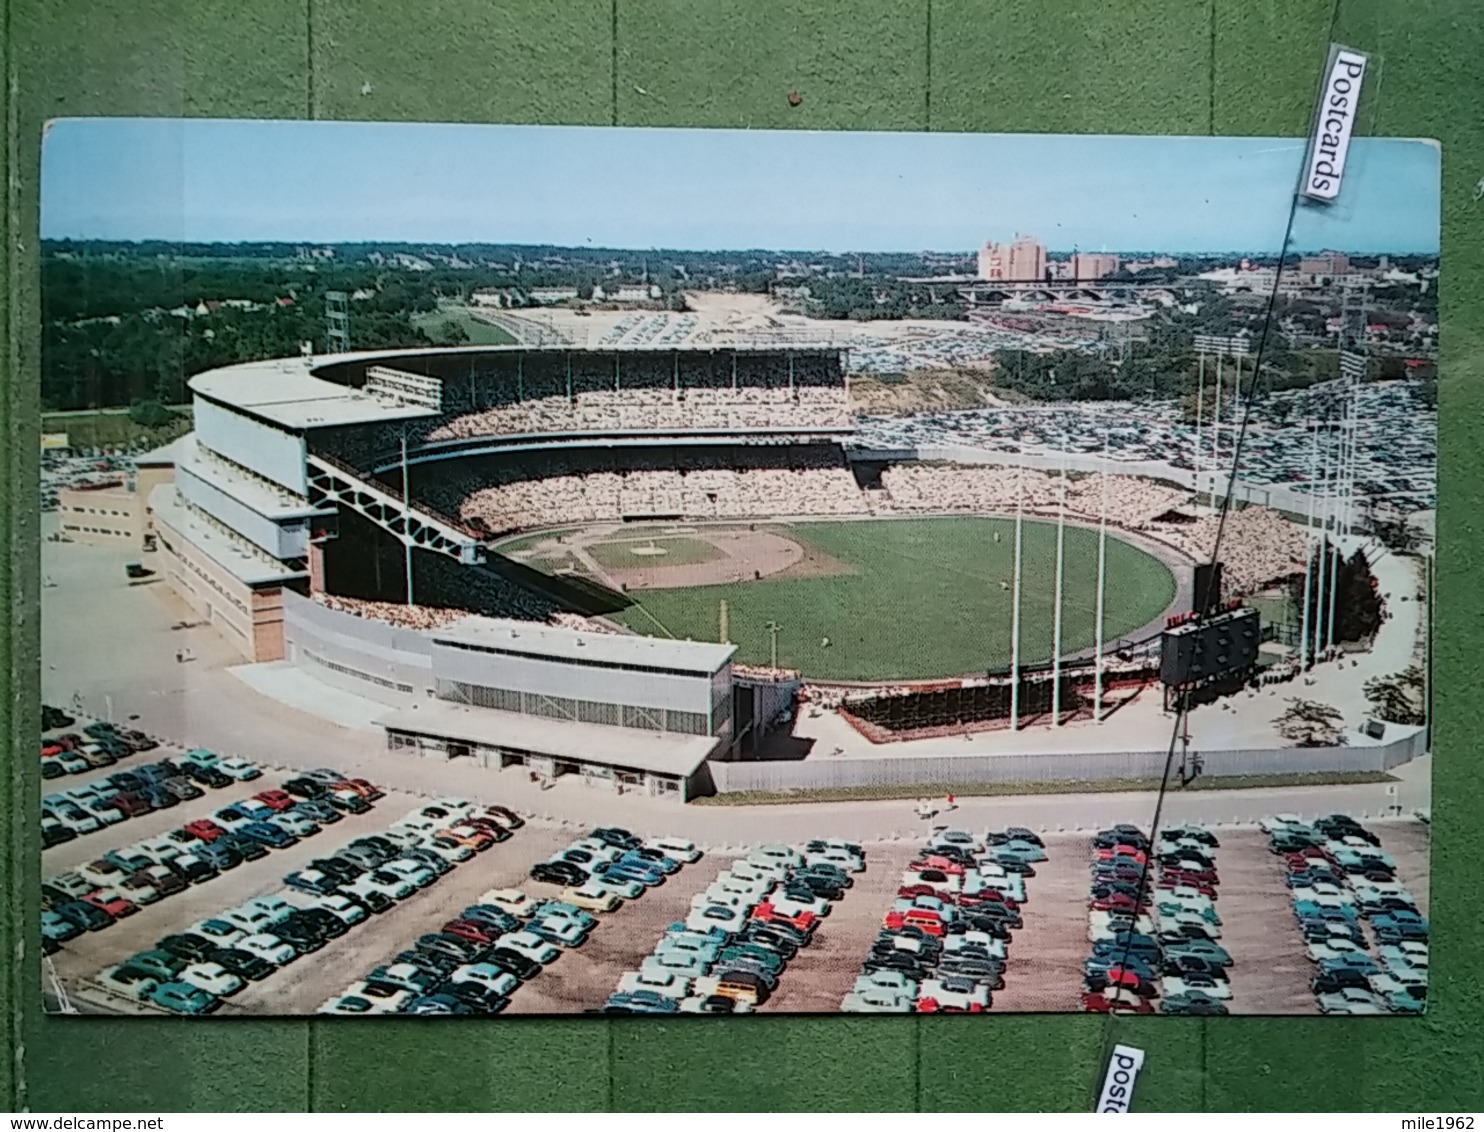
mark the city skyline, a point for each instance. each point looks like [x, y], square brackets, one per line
[718, 190]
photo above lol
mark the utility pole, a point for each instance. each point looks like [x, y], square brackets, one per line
[1015, 609]
[1097, 698]
[773, 629]
[406, 516]
[1061, 532]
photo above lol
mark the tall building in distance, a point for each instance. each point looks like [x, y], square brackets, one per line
[1023, 261]
[1093, 265]
[1324, 268]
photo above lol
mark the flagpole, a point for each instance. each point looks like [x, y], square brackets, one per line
[1015, 608]
[1200, 406]
[1097, 698]
[1305, 644]
[1061, 530]
[1216, 434]
[1334, 556]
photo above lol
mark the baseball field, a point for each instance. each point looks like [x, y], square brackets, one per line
[867, 600]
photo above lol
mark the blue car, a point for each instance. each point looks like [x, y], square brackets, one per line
[1308, 910]
[58, 928]
[1393, 927]
[270, 835]
[620, 871]
[664, 864]
[641, 1002]
[438, 1004]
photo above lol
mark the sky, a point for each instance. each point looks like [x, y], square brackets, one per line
[322, 182]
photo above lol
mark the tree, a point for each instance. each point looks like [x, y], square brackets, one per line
[1357, 605]
[1399, 698]
[150, 414]
[451, 333]
[1308, 723]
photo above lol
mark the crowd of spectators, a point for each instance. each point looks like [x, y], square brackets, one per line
[424, 617]
[1258, 546]
[804, 408]
[1132, 502]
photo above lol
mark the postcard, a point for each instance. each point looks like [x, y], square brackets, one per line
[501, 570]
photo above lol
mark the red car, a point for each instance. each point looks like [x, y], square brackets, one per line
[130, 804]
[204, 830]
[51, 750]
[986, 896]
[765, 912]
[111, 902]
[1132, 981]
[467, 929]
[1116, 902]
[369, 791]
[1123, 1003]
[943, 864]
[1190, 876]
[930, 1005]
[1123, 853]
[277, 800]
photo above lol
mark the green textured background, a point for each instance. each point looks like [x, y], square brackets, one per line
[1109, 66]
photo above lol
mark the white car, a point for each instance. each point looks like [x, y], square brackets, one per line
[250, 920]
[136, 990]
[687, 964]
[769, 871]
[600, 850]
[877, 1000]
[213, 978]
[240, 769]
[743, 886]
[268, 947]
[1352, 1000]
[73, 816]
[1409, 953]
[234, 821]
[893, 981]
[388, 884]
[258, 811]
[591, 897]
[276, 907]
[1012, 886]
[160, 849]
[101, 873]
[417, 874]
[1170, 921]
[992, 944]
[793, 905]
[106, 815]
[460, 806]
[717, 895]
[1281, 822]
[566, 932]
[220, 932]
[405, 836]
[511, 900]
[1218, 988]
[419, 822]
[296, 824]
[533, 947]
[703, 917]
[487, 975]
[451, 851]
[628, 889]
[965, 999]
[1328, 899]
[359, 1000]
[840, 858]
[780, 854]
[667, 983]
[675, 848]
[337, 905]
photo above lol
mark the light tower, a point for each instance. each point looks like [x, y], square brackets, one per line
[337, 322]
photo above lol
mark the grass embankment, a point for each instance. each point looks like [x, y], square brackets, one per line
[916, 791]
[112, 428]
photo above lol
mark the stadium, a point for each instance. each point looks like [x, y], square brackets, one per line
[633, 564]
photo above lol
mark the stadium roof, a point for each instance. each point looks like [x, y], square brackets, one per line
[285, 392]
[609, 650]
[165, 455]
[658, 752]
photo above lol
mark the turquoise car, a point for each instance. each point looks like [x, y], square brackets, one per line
[182, 998]
[1021, 850]
[201, 757]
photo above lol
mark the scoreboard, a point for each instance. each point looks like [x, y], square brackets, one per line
[1203, 649]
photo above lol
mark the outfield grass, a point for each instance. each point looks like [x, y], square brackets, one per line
[924, 599]
[480, 333]
[679, 551]
[915, 791]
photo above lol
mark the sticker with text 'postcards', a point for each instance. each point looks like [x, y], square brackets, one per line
[559, 570]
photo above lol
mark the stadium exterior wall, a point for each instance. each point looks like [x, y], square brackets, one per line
[356, 654]
[949, 770]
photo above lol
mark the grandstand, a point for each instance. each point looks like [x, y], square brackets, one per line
[382, 485]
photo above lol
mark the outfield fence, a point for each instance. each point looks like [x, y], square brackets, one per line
[947, 770]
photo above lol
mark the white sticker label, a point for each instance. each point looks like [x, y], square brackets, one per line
[1118, 1085]
[1333, 125]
